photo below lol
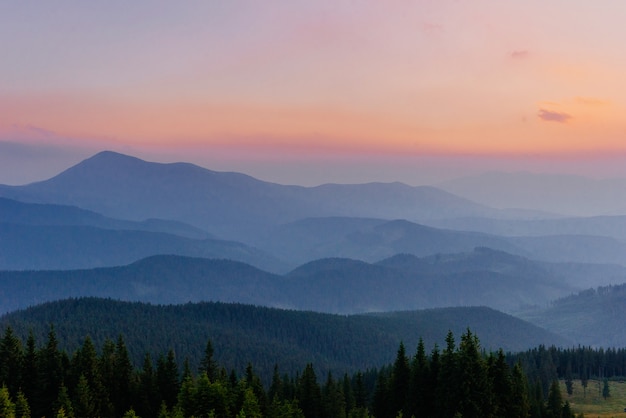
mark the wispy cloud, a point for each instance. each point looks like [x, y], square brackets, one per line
[591, 101]
[520, 53]
[552, 116]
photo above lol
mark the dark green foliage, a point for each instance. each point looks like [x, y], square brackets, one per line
[461, 381]
[309, 393]
[241, 333]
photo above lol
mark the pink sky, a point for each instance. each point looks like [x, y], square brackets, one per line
[309, 92]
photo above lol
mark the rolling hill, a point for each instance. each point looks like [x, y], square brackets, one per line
[67, 247]
[16, 212]
[373, 239]
[265, 337]
[334, 285]
[592, 317]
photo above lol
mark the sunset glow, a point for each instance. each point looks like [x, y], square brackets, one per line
[316, 80]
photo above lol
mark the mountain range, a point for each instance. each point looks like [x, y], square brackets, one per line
[334, 285]
[229, 205]
[553, 193]
[119, 227]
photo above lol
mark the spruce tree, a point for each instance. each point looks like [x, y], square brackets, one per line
[7, 407]
[207, 364]
[11, 359]
[476, 398]
[167, 379]
[400, 381]
[448, 394]
[554, 405]
[309, 393]
[22, 408]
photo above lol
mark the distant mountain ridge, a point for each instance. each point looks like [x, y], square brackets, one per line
[566, 194]
[231, 205]
[335, 285]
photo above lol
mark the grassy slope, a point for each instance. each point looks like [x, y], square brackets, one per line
[593, 404]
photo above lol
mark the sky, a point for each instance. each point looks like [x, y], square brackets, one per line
[308, 92]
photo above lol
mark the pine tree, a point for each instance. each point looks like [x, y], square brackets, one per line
[554, 406]
[333, 400]
[83, 402]
[360, 395]
[120, 396]
[448, 395]
[167, 378]
[309, 393]
[250, 406]
[50, 373]
[207, 364]
[569, 379]
[186, 399]
[63, 403]
[519, 391]
[606, 391]
[22, 408]
[381, 405]
[476, 397]
[502, 385]
[11, 359]
[147, 400]
[400, 381]
[419, 382]
[254, 382]
[276, 387]
[30, 377]
[7, 407]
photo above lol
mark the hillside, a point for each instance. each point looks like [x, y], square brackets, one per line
[557, 193]
[46, 247]
[592, 317]
[264, 336]
[15, 212]
[370, 240]
[605, 226]
[334, 285]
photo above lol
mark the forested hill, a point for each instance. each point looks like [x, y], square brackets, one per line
[592, 317]
[266, 336]
[483, 277]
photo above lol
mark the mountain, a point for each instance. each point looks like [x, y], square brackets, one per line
[483, 277]
[15, 212]
[157, 279]
[563, 194]
[265, 337]
[370, 239]
[573, 248]
[46, 236]
[230, 205]
[592, 317]
[47, 247]
[605, 226]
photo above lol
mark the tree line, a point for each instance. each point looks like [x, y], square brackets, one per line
[457, 381]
